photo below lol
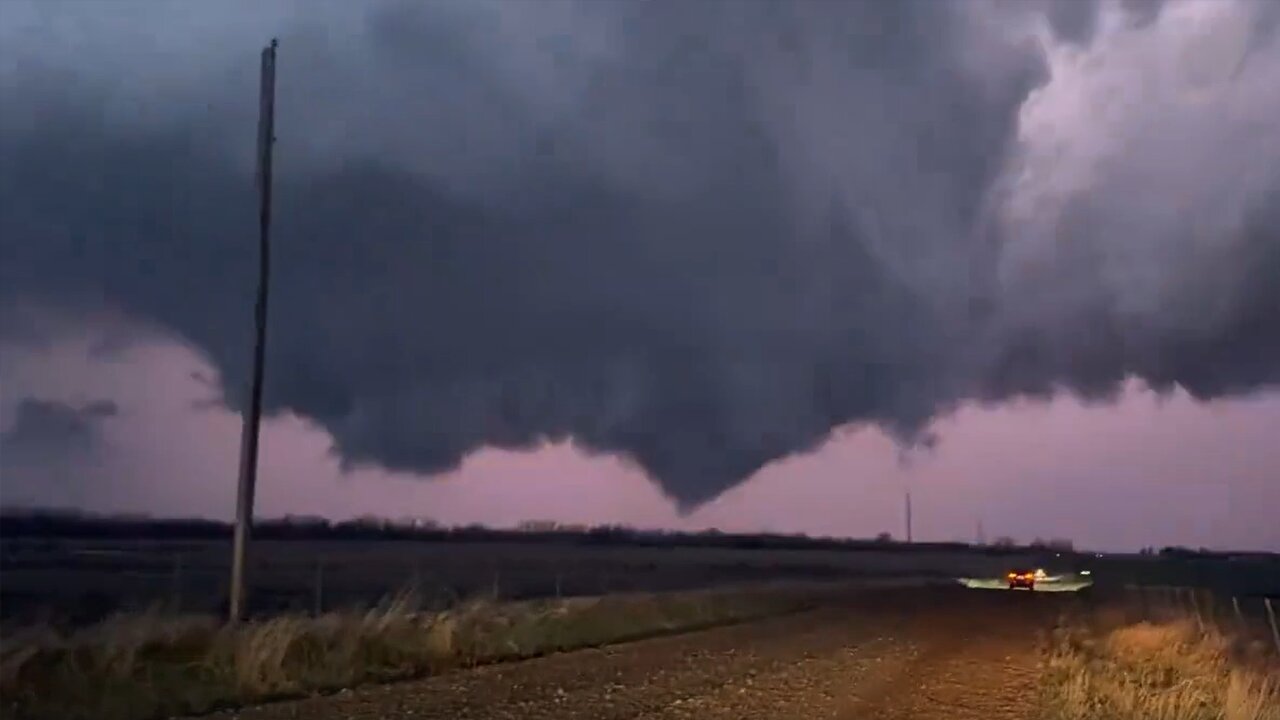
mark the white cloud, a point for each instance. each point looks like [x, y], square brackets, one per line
[1150, 146]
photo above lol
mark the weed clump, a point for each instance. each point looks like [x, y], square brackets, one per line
[1155, 671]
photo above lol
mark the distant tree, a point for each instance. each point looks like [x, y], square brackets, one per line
[304, 521]
[536, 525]
[1062, 545]
[370, 521]
[884, 538]
[1004, 541]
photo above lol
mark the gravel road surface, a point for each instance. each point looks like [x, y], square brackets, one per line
[936, 654]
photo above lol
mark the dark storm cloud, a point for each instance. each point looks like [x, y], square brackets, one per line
[1074, 20]
[701, 235]
[1142, 12]
[21, 328]
[46, 431]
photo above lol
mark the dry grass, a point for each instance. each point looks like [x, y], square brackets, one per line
[1156, 671]
[153, 665]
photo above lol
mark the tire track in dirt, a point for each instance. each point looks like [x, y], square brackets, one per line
[917, 656]
[966, 671]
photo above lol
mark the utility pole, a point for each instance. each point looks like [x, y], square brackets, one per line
[253, 411]
[908, 516]
[982, 536]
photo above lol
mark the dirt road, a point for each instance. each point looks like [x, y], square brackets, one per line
[950, 655]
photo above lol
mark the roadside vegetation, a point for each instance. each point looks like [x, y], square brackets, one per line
[1168, 670]
[150, 665]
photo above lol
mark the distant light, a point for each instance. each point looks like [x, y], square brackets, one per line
[1086, 572]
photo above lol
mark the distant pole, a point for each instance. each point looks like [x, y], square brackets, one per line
[908, 516]
[317, 599]
[175, 591]
[253, 412]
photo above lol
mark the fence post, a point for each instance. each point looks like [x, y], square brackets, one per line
[1210, 609]
[1235, 605]
[557, 586]
[317, 599]
[1271, 617]
[175, 591]
[1195, 604]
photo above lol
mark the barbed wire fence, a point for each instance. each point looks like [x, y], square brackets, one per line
[84, 585]
[1251, 616]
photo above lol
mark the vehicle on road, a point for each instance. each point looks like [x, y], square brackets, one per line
[1022, 579]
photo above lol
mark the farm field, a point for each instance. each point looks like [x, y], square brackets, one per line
[78, 580]
[918, 654]
[82, 580]
[897, 654]
[865, 646]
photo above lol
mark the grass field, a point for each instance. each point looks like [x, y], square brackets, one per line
[135, 667]
[860, 648]
[130, 630]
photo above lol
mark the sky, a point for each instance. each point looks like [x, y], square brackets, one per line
[757, 266]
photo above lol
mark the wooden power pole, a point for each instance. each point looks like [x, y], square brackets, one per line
[253, 411]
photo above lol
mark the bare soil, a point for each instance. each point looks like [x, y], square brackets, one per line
[923, 654]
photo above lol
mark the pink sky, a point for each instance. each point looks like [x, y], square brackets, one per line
[1145, 470]
[1165, 132]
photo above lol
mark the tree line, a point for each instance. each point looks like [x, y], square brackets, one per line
[75, 525]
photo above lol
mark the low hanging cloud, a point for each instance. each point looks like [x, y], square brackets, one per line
[699, 235]
[51, 431]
